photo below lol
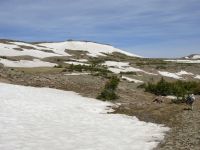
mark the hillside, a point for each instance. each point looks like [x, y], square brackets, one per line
[28, 55]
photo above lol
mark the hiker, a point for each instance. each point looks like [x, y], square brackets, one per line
[190, 100]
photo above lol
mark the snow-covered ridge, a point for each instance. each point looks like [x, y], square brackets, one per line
[193, 56]
[196, 57]
[50, 119]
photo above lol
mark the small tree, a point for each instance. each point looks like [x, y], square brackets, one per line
[108, 92]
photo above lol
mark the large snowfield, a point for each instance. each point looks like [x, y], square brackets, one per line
[49, 119]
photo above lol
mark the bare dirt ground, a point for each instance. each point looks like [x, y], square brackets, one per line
[184, 124]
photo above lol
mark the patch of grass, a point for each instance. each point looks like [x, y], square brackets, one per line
[128, 73]
[37, 70]
[161, 67]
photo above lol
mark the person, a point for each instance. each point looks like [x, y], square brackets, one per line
[190, 100]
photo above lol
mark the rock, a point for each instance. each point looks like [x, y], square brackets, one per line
[158, 100]
[1, 65]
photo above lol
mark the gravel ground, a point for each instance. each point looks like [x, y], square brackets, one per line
[185, 135]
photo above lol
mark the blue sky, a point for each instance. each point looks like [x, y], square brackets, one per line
[151, 28]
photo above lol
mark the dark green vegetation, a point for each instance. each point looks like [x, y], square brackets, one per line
[177, 88]
[108, 92]
[94, 69]
[128, 73]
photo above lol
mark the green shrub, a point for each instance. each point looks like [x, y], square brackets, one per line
[108, 92]
[178, 88]
[58, 66]
[129, 73]
[96, 61]
[80, 68]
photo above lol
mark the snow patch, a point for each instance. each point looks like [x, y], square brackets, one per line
[79, 60]
[132, 80]
[177, 75]
[116, 64]
[197, 77]
[171, 97]
[169, 74]
[11, 50]
[76, 63]
[50, 119]
[117, 67]
[185, 61]
[196, 57]
[182, 72]
[26, 63]
[76, 74]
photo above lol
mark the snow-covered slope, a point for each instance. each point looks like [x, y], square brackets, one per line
[93, 49]
[42, 50]
[50, 119]
[24, 49]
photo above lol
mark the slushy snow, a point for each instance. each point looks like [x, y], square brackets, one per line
[49, 119]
